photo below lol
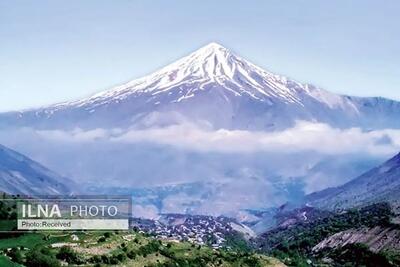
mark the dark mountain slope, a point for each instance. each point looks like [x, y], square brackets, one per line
[381, 184]
[21, 175]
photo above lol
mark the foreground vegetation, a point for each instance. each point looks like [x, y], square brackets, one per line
[293, 245]
[42, 249]
[119, 248]
[360, 255]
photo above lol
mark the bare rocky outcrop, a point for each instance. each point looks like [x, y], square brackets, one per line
[377, 239]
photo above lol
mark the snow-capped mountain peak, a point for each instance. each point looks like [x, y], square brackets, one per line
[212, 65]
[212, 86]
[207, 63]
[211, 61]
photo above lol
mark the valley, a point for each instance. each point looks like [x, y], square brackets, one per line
[227, 164]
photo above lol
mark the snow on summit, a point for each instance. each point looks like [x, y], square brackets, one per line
[216, 87]
[215, 65]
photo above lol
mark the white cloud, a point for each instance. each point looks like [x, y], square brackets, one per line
[254, 167]
[304, 136]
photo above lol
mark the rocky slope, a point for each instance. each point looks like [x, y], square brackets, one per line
[357, 237]
[21, 175]
[376, 238]
[381, 184]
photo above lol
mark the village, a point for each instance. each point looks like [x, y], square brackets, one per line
[197, 229]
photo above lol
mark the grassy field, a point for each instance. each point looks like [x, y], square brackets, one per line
[32, 240]
[5, 262]
[120, 248]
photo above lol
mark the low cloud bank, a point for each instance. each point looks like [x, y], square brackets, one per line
[253, 169]
[304, 136]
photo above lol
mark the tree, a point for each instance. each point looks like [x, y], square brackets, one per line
[131, 254]
[37, 259]
[15, 255]
[69, 255]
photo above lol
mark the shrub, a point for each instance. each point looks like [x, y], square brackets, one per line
[131, 254]
[95, 259]
[37, 259]
[69, 255]
[121, 257]
[15, 255]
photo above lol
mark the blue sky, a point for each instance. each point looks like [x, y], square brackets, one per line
[52, 51]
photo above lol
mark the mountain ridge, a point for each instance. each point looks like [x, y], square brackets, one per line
[214, 86]
[380, 184]
[21, 175]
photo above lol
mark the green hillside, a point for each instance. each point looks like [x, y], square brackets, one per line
[119, 248]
